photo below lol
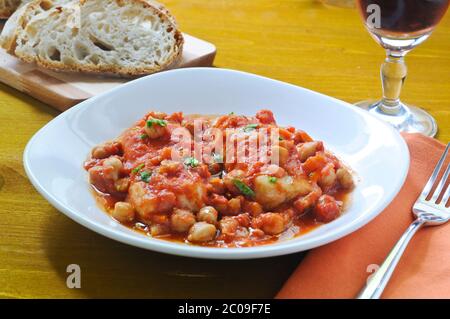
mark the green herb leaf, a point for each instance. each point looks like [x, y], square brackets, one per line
[159, 122]
[231, 113]
[138, 168]
[145, 176]
[280, 138]
[273, 180]
[243, 188]
[250, 127]
[143, 136]
[191, 161]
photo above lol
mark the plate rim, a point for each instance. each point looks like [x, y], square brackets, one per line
[186, 250]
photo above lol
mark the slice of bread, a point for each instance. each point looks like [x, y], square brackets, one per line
[28, 9]
[7, 7]
[123, 37]
[18, 21]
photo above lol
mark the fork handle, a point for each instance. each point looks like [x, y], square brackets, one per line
[375, 285]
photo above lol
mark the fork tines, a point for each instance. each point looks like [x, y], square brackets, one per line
[442, 183]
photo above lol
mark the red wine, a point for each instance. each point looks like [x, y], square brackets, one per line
[406, 17]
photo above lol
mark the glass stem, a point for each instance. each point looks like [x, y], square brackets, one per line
[393, 75]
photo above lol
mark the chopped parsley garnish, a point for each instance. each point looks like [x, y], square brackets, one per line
[250, 127]
[138, 168]
[145, 176]
[243, 188]
[159, 122]
[143, 136]
[191, 161]
[218, 158]
[231, 113]
[280, 138]
[273, 179]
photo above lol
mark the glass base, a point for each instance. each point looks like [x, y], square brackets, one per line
[410, 119]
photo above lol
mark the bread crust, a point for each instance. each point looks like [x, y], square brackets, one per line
[6, 11]
[163, 9]
[9, 40]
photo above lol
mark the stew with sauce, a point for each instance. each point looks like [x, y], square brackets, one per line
[226, 181]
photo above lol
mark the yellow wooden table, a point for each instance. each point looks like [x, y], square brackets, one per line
[302, 42]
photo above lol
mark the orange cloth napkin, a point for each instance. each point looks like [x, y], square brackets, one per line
[340, 269]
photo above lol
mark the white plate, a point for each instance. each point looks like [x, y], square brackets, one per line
[54, 156]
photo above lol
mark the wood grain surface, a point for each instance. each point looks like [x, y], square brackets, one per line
[301, 42]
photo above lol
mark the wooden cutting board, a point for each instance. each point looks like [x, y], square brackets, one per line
[63, 90]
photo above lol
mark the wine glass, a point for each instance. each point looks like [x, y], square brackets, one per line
[399, 26]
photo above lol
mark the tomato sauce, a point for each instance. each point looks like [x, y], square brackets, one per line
[191, 179]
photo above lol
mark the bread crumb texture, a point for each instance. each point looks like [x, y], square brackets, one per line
[123, 37]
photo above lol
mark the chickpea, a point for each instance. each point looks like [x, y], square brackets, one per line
[159, 229]
[217, 185]
[95, 175]
[345, 178]
[123, 212]
[234, 206]
[270, 223]
[257, 233]
[114, 162]
[181, 220]
[243, 219]
[220, 203]
[107, 149]
[122, 185]
[253, 208]
[116, 165]
[282, 154]
[202, 232]
[99, 152]
[207, 214]
[228, 225]
[155, 129]
[328, 176]
[308, 149]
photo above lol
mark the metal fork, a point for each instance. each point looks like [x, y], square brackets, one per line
[428, 213]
